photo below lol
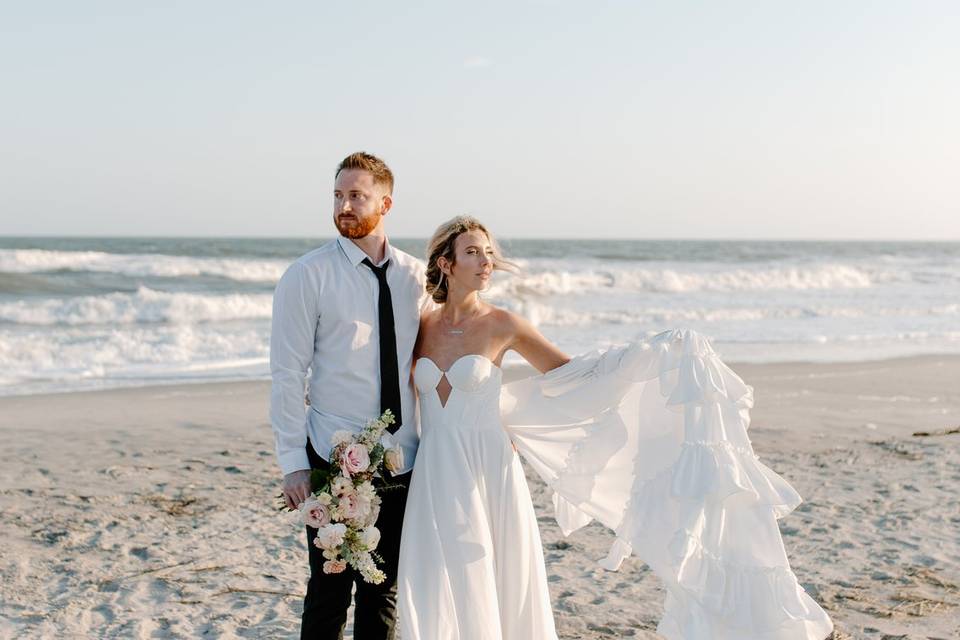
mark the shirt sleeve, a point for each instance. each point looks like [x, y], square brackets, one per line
[292, 336]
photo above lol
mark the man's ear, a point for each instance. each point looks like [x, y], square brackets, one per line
[386, 204]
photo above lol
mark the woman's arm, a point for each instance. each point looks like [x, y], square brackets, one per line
[534, 348]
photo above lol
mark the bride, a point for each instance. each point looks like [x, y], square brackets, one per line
[649, 439]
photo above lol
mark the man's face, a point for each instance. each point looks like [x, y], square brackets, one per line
[358, 203]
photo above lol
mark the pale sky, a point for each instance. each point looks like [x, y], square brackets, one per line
[545, 119]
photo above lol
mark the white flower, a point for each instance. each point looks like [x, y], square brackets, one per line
[366, 491]
[387, 418]
[367, 568]
[330, 536]
[341, 486]
[342, 436]
[374, 512]
[370, 538]
[393, 459]
[352, 507]
[363, 562]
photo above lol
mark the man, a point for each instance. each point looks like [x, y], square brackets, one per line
[348, 313]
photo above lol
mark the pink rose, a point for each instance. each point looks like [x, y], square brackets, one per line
[334, 566]
[355, 458]
[353, 506]
[314, 513]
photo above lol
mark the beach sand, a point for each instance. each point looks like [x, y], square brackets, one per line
[148, 512]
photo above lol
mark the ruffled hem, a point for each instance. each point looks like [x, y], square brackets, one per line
[713, 475]
[684, 619]
[722, 472]
[706, 520]
[760, 599]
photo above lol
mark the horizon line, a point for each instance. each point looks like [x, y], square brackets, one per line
[499, 236]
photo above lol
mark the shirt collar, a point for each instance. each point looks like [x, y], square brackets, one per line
[356, 255]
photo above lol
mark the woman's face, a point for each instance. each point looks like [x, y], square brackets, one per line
[473, 263]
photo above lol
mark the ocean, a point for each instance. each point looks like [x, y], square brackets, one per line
[94, 313]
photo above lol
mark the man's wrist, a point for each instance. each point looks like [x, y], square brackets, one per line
[295, 460]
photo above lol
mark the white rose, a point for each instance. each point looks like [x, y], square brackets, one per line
[393, 459]
[330, 536]
[370, 538]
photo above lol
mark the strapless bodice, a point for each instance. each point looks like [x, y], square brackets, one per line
[468, 373]
[474, 393]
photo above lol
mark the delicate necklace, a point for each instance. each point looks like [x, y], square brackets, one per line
[454, 331]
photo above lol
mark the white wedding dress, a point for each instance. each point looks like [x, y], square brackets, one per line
[649, 439]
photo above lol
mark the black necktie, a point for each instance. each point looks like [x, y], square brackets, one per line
[389, 369]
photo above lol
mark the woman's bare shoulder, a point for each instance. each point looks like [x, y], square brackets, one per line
[428, 320]
[507, 318]
[509, 324]
[429, 317]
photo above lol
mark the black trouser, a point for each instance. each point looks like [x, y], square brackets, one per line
[328, 594]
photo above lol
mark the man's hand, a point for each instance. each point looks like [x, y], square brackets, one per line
[296, 487]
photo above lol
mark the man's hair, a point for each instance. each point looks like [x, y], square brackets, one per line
[368, 162]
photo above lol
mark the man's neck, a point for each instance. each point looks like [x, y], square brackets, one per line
[374, 245]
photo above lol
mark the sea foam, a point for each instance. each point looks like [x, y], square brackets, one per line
[156, 265]
[144, 306]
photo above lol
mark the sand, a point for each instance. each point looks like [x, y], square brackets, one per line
[148, 512]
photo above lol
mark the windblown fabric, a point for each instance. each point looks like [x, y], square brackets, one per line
[650, 439]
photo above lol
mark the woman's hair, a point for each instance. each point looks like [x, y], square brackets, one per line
[443, 244]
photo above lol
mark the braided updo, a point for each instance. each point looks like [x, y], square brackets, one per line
[443, 244]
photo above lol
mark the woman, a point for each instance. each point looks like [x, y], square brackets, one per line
[649, 439]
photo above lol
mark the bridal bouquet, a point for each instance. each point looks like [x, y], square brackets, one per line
[344, 504]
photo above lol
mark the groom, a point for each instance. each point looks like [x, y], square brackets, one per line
[347, 314]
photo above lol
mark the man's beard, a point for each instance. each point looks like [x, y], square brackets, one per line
[358, 227]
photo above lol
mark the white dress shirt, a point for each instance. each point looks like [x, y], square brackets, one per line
[325, 316]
